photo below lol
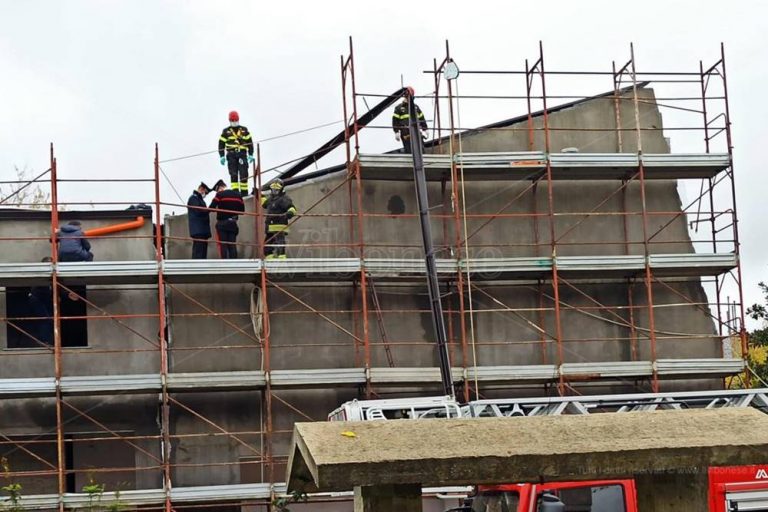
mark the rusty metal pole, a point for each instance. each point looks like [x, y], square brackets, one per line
[710, 192]
[165, 424]
[357, 312]
[460, 244]
[561, 387]
[437, 122]
[624, 208]
[737, 245]
[57, 348]
[646, 245]
[360, 223]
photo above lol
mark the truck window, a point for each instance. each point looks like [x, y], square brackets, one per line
[495, 501]
[603, 498]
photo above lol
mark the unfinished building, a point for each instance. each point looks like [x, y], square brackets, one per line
[564, 271]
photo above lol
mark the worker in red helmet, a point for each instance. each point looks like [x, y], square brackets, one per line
[237, 142]
[401, 118]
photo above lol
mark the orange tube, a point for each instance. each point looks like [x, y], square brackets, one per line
[115, 228]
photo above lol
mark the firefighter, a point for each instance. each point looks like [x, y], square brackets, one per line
[237, 142]
[228, 203]
[278, 210]
[72, 243]
[199, 222]
[401, 119]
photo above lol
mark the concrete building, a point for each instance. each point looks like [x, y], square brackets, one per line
[575, 276]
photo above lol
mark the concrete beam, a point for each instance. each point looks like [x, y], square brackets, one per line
[337, 456]
[672, 492]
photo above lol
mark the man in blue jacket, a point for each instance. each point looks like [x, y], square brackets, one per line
[72, 243]
[199, 222]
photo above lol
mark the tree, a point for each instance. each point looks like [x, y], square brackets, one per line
[12, 502]
[758, 339]
[25, 192]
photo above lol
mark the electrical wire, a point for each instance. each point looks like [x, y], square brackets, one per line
[268, 139]
[466, 246]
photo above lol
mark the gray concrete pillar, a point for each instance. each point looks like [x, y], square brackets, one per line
[672, 492]
[388, 498]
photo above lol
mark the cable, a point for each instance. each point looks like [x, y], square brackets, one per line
[281, 136]
[170, 183]
[466, 246]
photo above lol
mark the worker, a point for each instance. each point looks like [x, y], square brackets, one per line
[228, 203]
[278, 210]
[199, 222]
[401, 119]
[237, 142]
[73, 245]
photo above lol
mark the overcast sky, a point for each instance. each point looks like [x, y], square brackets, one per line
[105, 80]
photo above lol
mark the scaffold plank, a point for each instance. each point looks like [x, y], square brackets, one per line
[216, 381]
[342, 377]
[346, 269]
[531, 165]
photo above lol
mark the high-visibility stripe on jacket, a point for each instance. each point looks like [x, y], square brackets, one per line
[401, 118]
[235, 138]
[227, 200]
[278, 209]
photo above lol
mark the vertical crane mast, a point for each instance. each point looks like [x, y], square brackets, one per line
[420, 182]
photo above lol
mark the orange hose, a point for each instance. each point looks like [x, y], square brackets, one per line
[115, 228]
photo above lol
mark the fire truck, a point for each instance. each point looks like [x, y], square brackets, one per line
[731, 489]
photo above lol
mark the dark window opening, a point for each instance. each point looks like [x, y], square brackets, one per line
[74, 331]
[30, 317]
[596, 498]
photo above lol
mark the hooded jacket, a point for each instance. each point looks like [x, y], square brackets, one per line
[72, 244]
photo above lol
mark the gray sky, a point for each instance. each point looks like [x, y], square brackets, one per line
[105, 80]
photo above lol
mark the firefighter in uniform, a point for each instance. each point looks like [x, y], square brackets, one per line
[278, 210]
[238, 143]
[401, 118]
[228, 203]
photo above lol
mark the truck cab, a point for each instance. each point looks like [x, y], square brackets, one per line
[738, 488]
[586, 496]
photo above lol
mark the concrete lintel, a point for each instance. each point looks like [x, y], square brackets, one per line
[341, 455]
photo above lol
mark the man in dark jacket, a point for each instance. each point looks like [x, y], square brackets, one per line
[228, 203]
[401, 118]
[278, 210]
[238, 143]
[72, 243]
[199, 222]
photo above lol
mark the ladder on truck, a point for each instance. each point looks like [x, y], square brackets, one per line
[448, 407]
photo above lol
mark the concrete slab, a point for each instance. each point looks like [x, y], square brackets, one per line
[337, 456]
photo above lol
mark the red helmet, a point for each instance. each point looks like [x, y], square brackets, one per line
[411, 92]
[234, 116]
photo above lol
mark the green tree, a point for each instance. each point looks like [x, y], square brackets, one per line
[12, 489]
[758, 338]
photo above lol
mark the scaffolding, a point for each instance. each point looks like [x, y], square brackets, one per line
[547, 266]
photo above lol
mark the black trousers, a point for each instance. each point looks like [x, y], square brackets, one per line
[237, 163]
[227, 232]
[274, 244]
[405, 138]
[199, 248]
